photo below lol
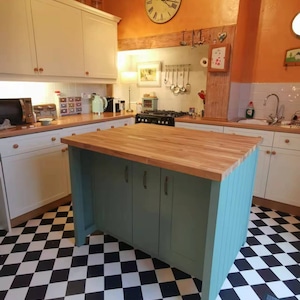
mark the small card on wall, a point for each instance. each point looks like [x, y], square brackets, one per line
[219, 55]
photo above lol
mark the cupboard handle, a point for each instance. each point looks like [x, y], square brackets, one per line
[64, 149]
[87, 73]
[35, 69]
[15, 146]
[112, 126]
[98, 129]
[41, 70]
[166, 185]
[145, 180]
[287, 141]
[126, 174]
[268, 151]
[73, 133]
[125, 124]
[273, 152]
[53, 139]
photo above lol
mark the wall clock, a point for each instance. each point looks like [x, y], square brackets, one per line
[161, 11]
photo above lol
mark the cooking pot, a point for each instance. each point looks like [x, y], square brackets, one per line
[99, 104]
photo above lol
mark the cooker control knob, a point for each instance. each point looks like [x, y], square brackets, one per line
[162, 122]
[166, 122]
[158, 121]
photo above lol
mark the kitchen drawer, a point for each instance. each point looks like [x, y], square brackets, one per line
[82, 129]
[29, 142]
[267, 136]
[286, 141]
[213, 128]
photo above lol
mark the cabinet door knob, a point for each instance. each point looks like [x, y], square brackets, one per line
[41, 70]
[63, 150]
[273, 152]
[112, 126]
[268, 151]
[35, 69]
[15, 146]
[287, 141]
[87, 73]
[145, 180]
[73, 133]
[53, 139]
[125, 124]
[98, 129]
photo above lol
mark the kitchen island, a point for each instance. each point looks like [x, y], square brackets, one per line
[181, 195]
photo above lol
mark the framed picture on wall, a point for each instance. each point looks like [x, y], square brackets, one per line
[149, 74]
[219, 55]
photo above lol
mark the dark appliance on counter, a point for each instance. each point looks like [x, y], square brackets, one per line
[112, 105]
[17, 110]
[159, 117]
[45, 111]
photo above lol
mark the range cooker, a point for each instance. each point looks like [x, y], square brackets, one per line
[159, 117]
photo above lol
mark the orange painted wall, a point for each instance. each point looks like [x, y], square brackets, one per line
[274, 37]
[263, 31]
[193, 14]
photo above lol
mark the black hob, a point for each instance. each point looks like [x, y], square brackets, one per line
[159, 117]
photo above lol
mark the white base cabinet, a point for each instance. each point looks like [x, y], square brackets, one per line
[204, 127]
[278, 166]
[34, 179]
[34, 170]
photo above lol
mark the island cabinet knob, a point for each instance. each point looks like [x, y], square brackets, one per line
[15, 146]
[36, 70]
[112, 126]
[87, 73]
[268, 151]
[166, 185]
[73, 133]
[125, 124]
[287, 141]
[126, 174]
[145, 180]
[53, 139]
[98, 129]
[64, 149]
[41, 70]
[273, 152]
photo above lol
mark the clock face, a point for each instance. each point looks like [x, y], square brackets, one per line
[161, 11]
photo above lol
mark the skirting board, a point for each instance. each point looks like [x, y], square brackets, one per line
[287, 208]
[41, 210]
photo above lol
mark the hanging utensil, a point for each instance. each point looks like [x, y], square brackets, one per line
[183, 42]
[166, 75]
[172, 85]
[183, 89]
[176, 88]
[201, 39]
[188, 85]
[193, 39]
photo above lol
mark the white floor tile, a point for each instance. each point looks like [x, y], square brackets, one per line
[56, 290]
[252, 277]
[187, 286]
[114, 294]
[246, 293]
[131, 279]
[94, 284]
[41, 278]
[77, 273]
[145, 264]
[112, 269]
[164, 275]
[151, 292]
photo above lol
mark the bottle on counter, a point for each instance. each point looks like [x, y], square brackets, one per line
[250, 110]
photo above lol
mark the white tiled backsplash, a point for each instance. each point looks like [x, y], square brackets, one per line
[43, 93]
[242, 93]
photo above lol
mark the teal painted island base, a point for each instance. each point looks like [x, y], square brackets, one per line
[195, 224]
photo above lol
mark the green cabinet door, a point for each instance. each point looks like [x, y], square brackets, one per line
[114, 186]
[183, 220]
[146, 198]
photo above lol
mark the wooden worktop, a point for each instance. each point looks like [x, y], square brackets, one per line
[64, 122]
[204, 154]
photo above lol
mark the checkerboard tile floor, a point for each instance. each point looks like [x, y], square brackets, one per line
[38, 260]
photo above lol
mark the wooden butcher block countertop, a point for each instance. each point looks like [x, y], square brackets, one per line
[204, 154]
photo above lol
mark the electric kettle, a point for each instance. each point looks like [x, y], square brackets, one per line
[99, 104]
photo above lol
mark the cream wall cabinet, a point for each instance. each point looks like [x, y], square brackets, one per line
[57, 38]
[17, 49]
[100, 36]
